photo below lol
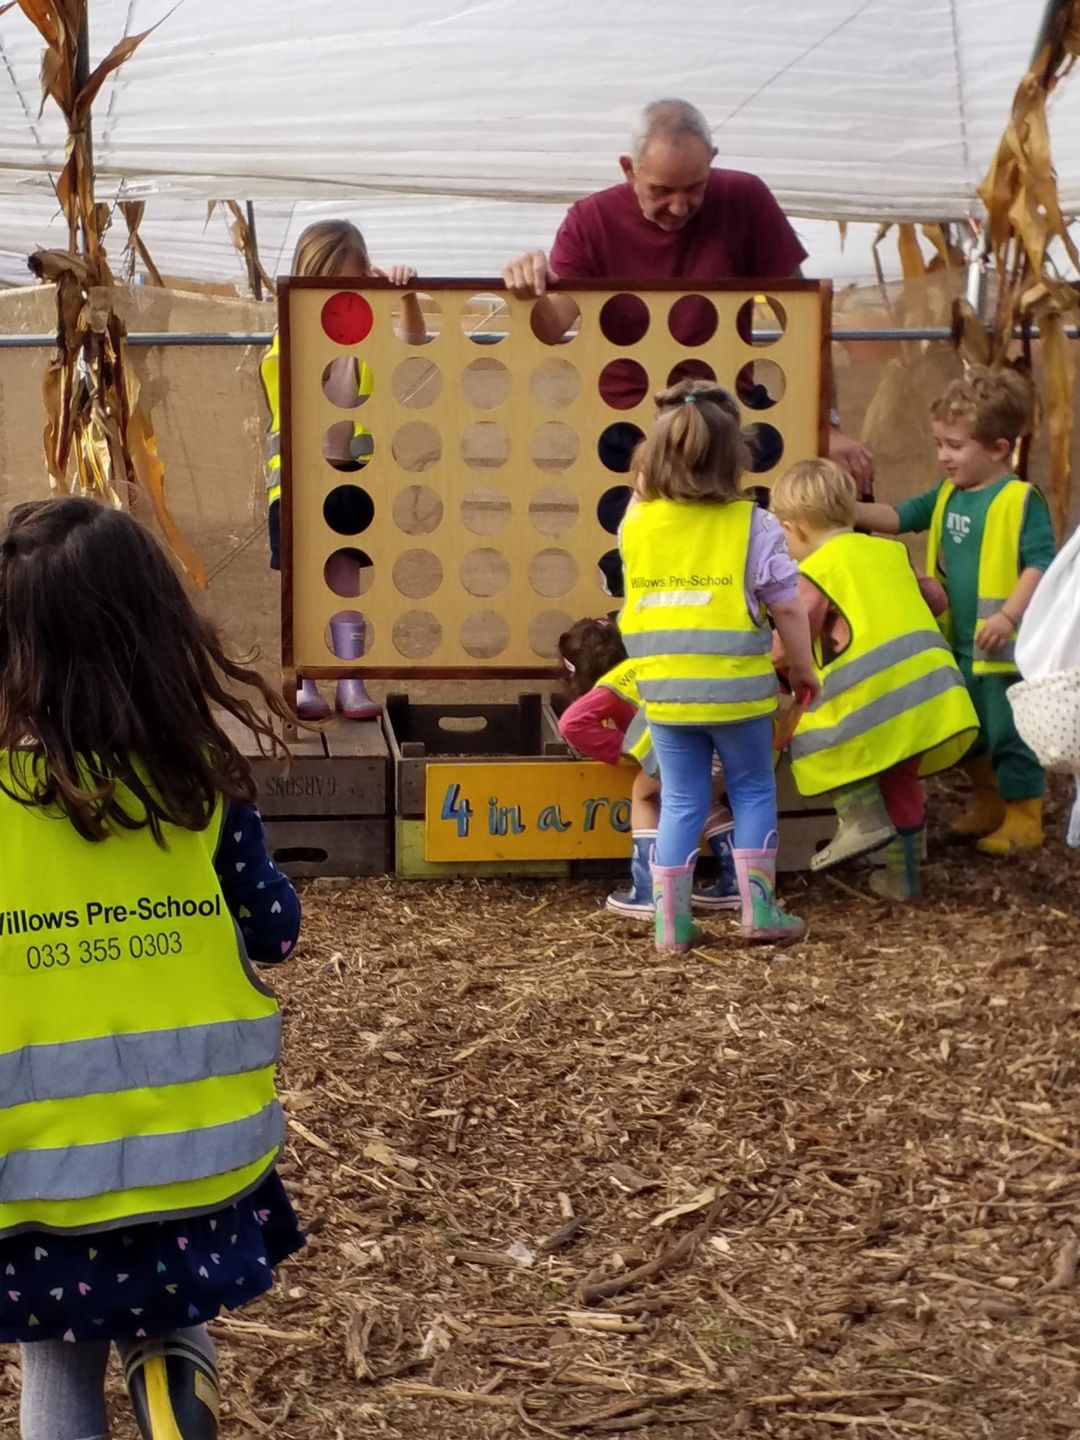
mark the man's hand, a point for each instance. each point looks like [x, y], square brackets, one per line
[852, 456]
[995, 634]
[528, 275]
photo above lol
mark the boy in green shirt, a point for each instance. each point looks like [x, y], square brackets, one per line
[990, 541]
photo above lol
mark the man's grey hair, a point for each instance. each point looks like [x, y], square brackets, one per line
[667, 120]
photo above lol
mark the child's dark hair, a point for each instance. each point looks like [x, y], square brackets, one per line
[589, 649]
[696, 450]
[108, 675]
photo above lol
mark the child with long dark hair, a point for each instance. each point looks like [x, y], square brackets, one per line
[139, 1125]
[705, 568]
[606, 721]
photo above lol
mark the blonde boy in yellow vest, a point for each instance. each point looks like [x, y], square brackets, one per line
[893, 706]
[989, 543]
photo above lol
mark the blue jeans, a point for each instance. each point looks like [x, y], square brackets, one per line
[685, 754]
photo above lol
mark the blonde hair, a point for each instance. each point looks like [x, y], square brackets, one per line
[331, 247]
[994, 404]
[696, 450]
[817, 494]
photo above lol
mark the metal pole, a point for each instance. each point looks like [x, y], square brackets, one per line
[256, 278]
[82, 74]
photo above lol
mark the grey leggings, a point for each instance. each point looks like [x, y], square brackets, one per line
[63, 1386]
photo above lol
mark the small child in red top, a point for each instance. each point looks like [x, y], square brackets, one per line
[605, 721]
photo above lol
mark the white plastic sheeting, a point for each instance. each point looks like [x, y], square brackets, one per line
[456, 133]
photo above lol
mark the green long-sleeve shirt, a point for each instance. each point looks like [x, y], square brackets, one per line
[961, 541]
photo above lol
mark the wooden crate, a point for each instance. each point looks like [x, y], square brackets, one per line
[419, 733]
[327, 814]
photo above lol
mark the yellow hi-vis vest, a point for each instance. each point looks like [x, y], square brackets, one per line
[999, 565]
[637, 742]
[137, 1051]
[270, 372]
[896, 691]
[703, 658]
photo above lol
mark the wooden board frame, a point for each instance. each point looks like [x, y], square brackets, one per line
[486, 285]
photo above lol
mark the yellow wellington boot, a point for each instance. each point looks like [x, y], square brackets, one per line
[1020, 830]
[986, 809]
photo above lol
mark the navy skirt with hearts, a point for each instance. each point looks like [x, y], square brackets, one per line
[144, 1279]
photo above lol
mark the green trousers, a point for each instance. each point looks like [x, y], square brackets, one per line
[1017, 771]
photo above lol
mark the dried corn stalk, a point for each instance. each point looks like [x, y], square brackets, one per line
[243, 240]
[1024, 218]
[98, 437]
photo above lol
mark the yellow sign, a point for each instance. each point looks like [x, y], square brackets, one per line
[522, 810]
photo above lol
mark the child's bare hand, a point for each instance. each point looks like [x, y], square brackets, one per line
[396, 274]
[995, 634]
[801, 680]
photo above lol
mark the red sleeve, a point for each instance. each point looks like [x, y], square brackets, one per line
[773, 250]
[582, 724]
[571, 257]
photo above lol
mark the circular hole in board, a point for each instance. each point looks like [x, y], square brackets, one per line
[485, 445]
[486, 510]
[542, 324]
[416, 446]
[761, 320]
[417, 573]
[416, 382]
[554, 384]
[347, 382]
[554, 447]
[485, 572]
[544, 632]
[611, 507]
[760, 384]
[692, 320]
[347, 446]
[484, 634]
[416, 634]
[617, 444]
[349, 572]
[554, 510]
[350, 635]
[623, 384]
[348, 510]
[553, 573]
[609, 574]
[485, 319]
[347, 318]
[417, 510]
[485, 383]
[624, 319]
[766, 446]
[431, 313]
[691, 370]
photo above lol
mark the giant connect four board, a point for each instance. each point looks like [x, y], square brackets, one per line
[450, 507]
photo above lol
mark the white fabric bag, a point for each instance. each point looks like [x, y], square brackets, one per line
[1046, 703]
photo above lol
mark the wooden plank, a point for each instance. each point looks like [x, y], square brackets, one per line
[343, 769]
[801, 836]
[411, 865]
[308, 849]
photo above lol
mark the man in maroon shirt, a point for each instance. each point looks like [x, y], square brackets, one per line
[676, 217]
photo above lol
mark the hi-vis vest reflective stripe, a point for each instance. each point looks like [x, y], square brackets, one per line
[896, 691]
[702, 657]
[637, 742]
[999, 565]
[270, 372]
[137, 1053]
